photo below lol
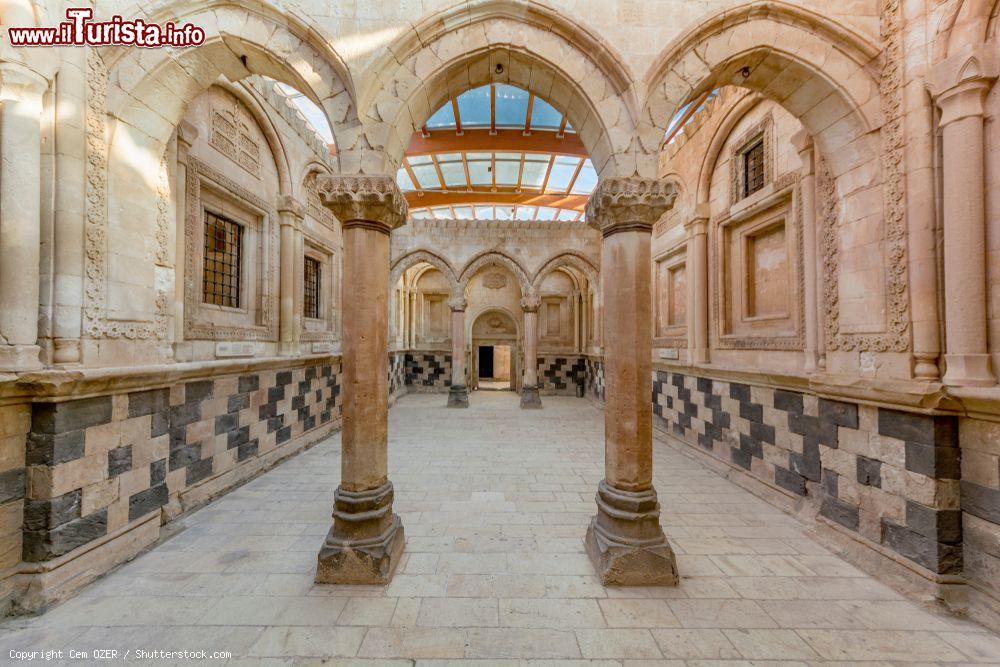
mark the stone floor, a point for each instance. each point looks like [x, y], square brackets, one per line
[495, 502]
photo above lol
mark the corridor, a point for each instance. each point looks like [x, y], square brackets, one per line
[495, 502]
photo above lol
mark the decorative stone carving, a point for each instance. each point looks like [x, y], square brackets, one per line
[494, 280]
[620, 204]
[96, 323]
[531, 303]
[457, 304]
[231, 135]
[364, 200]
[763, 129]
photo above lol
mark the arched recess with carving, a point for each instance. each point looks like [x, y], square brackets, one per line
[266, 126]
[524, 44]
[966, 27]
[494, 258]
[795, 56]
[574, 260]
[735, 113]
[137, 97]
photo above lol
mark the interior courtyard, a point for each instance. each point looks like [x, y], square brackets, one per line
[503, 332]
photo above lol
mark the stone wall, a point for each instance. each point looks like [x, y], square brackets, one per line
[560, 375]
[887, 476]
[102, 472]
[428, 371]
[594, 378]
[980, 487]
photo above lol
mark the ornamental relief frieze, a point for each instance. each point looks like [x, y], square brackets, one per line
[96, 321]
[197, 325]
[232, 135]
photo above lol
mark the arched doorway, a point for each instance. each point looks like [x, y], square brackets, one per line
[496, 351]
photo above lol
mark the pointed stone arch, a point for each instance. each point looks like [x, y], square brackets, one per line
[521, 43]
[494, 258]
[795, 56]
[574, 260]
[410, 259]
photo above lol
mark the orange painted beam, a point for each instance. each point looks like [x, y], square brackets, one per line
[480, 140]
[428, 199]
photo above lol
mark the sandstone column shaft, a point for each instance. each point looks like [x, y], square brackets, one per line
[458, 394]
[625, 540]
[529, 387]
[20, 231]
[366, 540]
[964, 214]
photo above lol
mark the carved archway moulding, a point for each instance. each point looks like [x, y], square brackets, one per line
[494, 258]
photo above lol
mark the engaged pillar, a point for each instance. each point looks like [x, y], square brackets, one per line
[959, 86]
[458, 393]
[697, 321]
[21, 93]
[530, 399]
[625, 540]
[290, 214]
[366, 540]
[804, 145]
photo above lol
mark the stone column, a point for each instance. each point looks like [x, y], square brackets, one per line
[959, 88]
[530, 400]
[625, 540]
[577, 324]
[807, 187]
[366, 540]
[290, 214]
[412, 325]
[21, 93]
[697, 263]
[458, 393]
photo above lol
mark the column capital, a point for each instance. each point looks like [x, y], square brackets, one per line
[18, 83]
[291, 206]
[457, 304]
[187, 133]
[959, 84]
[803, 143]
[531, 303]
[360, 200]
[628, 204]
[698, 224]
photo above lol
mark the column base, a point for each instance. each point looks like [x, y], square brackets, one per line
[458, 396]
[366, 540]
[530, 400]
[17, 358]
[969, 370]
[625, 541]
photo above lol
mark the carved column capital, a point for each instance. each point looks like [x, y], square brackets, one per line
[359, 200]
[803, 143]
[457, 304]
[187, 133]
[531, 303]
[624, 204]
[959, 84]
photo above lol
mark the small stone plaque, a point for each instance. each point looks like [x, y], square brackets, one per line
[669, 353]
[229, 348]
[322, 348]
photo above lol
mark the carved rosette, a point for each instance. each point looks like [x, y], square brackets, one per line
[361, 200]
[623, 204]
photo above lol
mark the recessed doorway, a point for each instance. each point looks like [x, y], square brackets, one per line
[494, 367]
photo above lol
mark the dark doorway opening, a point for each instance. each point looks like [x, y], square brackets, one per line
[486, 361]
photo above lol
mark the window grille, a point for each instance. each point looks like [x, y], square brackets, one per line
[310, 301]
[222, 275]
[753, 168]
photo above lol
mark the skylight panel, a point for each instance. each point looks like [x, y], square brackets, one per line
[309, 112]
[534, 174]
[442, 213]
[562, 173]
[586, 181]
[443, 117]
[484, 213]
[454, 174]
[420, 214]
[403, 180]
[464, 213]
[511, 106]
[426, 176]
[504, 212]
[526, 212]
[547, 213]
[567, 214]
[474, 107]
[479, 172]
[507, 172]
[544, 116]
[414, 160]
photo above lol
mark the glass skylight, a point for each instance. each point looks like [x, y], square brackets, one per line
[498, 106]
[308, 111]
[523, 212]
